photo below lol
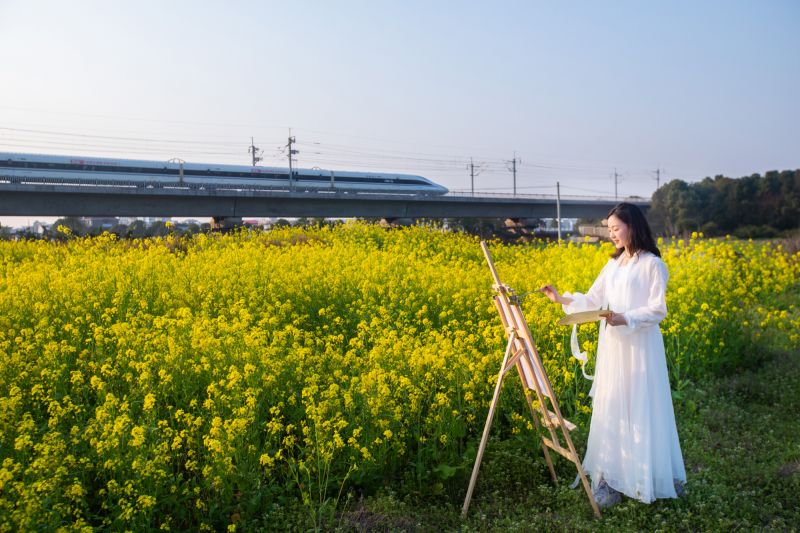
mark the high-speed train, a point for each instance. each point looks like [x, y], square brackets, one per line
[64, 169]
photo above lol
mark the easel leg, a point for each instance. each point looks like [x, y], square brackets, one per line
[487, 427]
[584, 480]
[588, 489]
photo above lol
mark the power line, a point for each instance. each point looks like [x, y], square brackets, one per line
[110, 150]
[327, 149]
[111, 137]
[141, 119]
[316, 153]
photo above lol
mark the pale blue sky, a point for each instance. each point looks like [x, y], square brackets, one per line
[576, 88]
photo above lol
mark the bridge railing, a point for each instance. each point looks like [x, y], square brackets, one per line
[483, 194]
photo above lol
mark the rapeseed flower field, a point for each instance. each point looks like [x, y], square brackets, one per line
[179, 383]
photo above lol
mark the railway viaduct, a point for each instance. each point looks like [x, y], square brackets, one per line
[27, 198]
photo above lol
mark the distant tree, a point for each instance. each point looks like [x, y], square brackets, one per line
[158, 229]
[137, 229]
[787, 213]
[752, 206]
[755, 232]
[94, 231]
[721, 212]
[74, 224]
[27, 234]
[333, 222]
[676, 208]
[120, 230]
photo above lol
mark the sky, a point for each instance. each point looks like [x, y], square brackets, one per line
[574, 90]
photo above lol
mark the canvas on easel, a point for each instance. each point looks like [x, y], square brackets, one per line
[521, 354]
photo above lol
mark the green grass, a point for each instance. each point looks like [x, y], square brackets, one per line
[740, 435]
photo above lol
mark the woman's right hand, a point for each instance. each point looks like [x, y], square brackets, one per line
[551, 293]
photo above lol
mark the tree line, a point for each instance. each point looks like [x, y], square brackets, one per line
[69, 227]
[750, 207]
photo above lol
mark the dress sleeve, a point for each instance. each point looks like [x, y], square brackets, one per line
[590, 301]
[656, 308]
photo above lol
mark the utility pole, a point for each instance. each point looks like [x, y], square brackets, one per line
[658, 177]
[474, 170]
[255, 152]
[291, 153]
[513, 169]
[472, 176]
[616, 176]
[558, 209]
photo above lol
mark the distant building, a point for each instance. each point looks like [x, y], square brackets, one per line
[39, 228]
[551, 224]
[100, 223]
[601, 232]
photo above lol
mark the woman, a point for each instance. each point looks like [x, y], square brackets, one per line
[633, 445]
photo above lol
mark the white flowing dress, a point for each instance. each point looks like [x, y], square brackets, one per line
[633, 441]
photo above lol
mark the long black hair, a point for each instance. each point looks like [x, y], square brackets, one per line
[640, 233]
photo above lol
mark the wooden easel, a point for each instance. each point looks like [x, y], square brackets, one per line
[521, 354]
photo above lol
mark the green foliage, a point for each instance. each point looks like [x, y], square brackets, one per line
[720, 205]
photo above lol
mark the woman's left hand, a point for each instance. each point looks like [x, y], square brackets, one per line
[616, 319]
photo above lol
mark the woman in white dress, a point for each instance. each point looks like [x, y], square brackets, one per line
[633, 445]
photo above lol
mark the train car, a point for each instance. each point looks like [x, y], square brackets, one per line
[131, 172]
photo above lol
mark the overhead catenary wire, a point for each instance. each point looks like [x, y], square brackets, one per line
[595, 164]
[488, 163]
[28, 146]
[116, 138]
[315, 152]
[21, 141]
